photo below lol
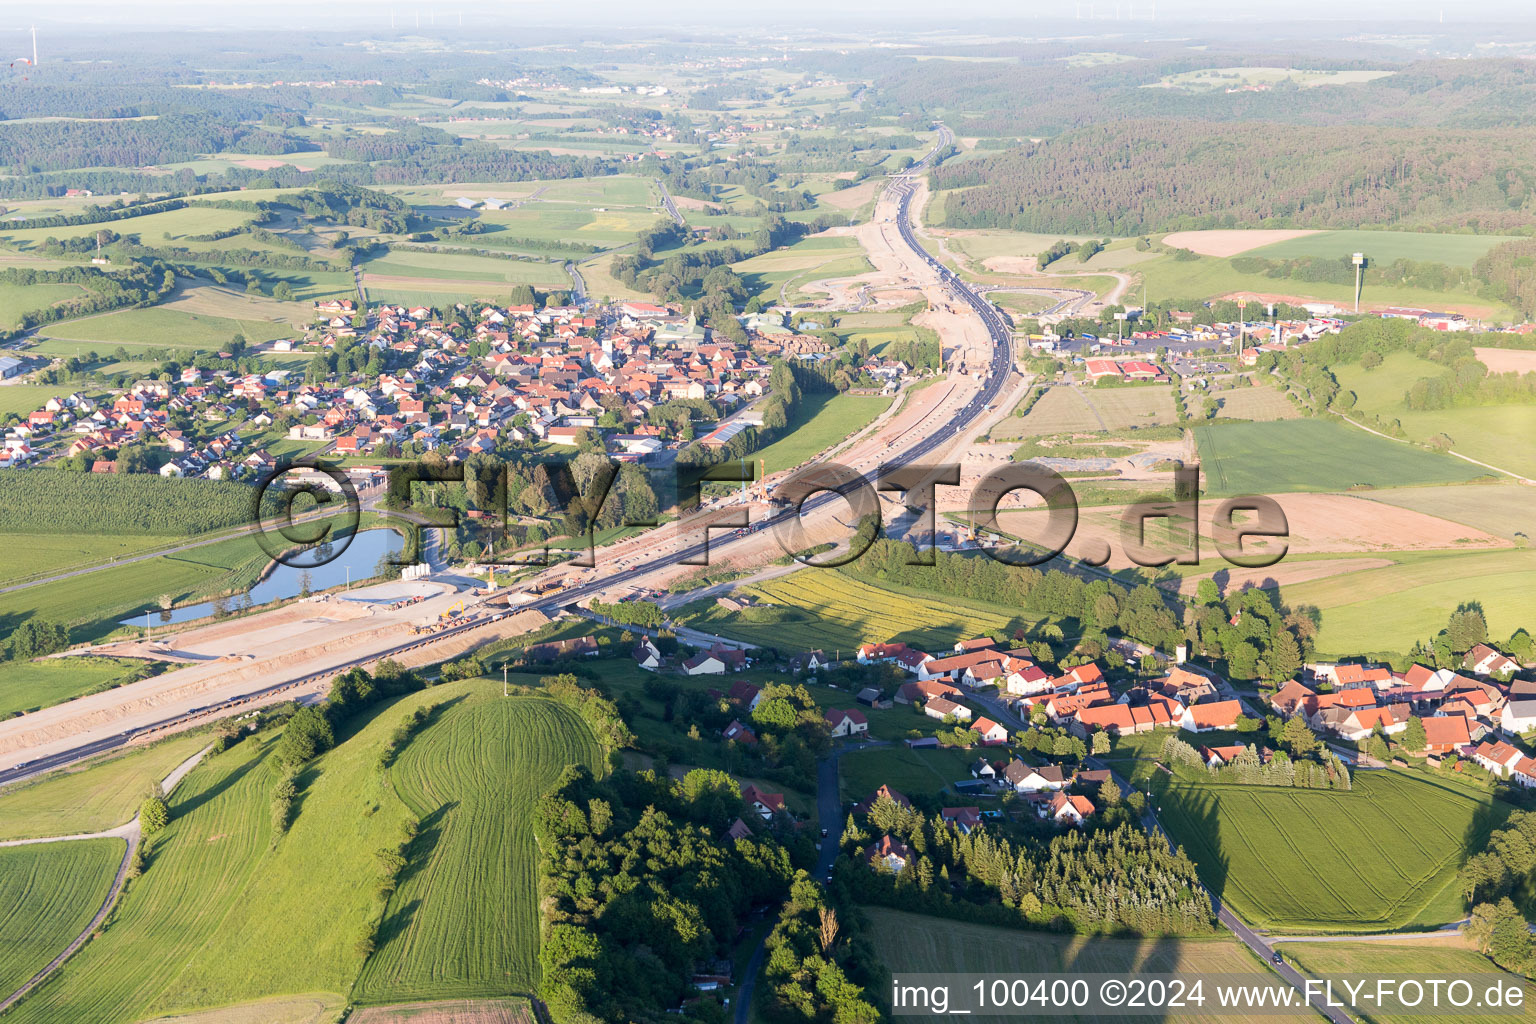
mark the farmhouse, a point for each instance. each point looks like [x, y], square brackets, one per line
[1444, 733]
[1483, 660]
[925, 689]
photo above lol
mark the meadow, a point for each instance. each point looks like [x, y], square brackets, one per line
[1087, 409]
[1380, 857]
[841, 613]
[30, 685]
[1383, 247]
[820, 420]
[159, 327]
[907, 770]
[16, 299]
[1389, 608]
[1210, 276]
[1315, 455]
[96, 600]
[93, 795]
[168, 228]
[48, 894]
[916, 944]
[465, 921]
[1438, 958]
[22, 399]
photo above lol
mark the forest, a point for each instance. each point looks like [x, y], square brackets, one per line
[1126, 178]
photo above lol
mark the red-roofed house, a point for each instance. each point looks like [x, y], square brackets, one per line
[1066, 809]
[1222, 714]
[1444, 733]
[764, 803]
[863, 807]
[991, 732]
[889, 853]
[966, 819]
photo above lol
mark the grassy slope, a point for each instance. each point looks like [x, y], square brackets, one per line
[30, 685]
[48, 894]
[465, 920]
[1380, 857]
[269, 918]
[1384, 247]
[97, 795]
[168, 328]
[1315, 455]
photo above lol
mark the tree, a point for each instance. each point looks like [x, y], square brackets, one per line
[1284, 656]
[282, 291]
[1207, 592]
[1298, 736]
[828, 930]
[154, 815]
[1414, 738]
[1109, 793]
[36, 638]
[307, 733]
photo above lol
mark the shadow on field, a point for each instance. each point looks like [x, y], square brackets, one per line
[1198, 831]
[396, 923]
[203, 796]
[428, 834]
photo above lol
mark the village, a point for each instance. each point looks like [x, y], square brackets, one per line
[1071, 728]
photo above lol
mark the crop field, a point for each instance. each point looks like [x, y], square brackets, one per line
[460, 271]
[841, 613]
[916, 944]
[1503, 510]
[464, 921]
[167, 954]
[1384, 247]
[1070, 409]
[1499, 435]
[1389, 608]
[160, 327]
[30, 685]
[1379, 857]
[311, 1009]
[544, 221]
[1259, 404]
[48, 894]
[1437, 958]
[453, 1011]
[95, 795]
[1315, 455]
[821, 420]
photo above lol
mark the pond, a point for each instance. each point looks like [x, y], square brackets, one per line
[286, 581]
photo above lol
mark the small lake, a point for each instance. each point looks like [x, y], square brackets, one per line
[286, 581]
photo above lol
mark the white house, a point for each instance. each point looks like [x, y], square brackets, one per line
[1518, 716]
[846, 723]
[940, 708]
[1029, 779]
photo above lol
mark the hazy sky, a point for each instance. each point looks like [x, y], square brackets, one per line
[367, 15]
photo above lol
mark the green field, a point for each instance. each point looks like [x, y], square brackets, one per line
[94, 795]
[169, 228]
[96, 600]
[907, 770]
[465, 921]
[268, 918]
[1088, 409]
[48, 894]
[16, 299]
[1431, 959]
[916, 944]
[1315, 455]
[1260, 404]
[1384, 247]
[1211, 276]
[29, 554]
[841, 613]
[158, 327]
[820, 420]
[1503, 511]
[1391, 607]
[1380, 857]
[29, 685]
[24, 398]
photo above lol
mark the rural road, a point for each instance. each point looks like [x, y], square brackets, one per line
[131, 834]
[1464, 458]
